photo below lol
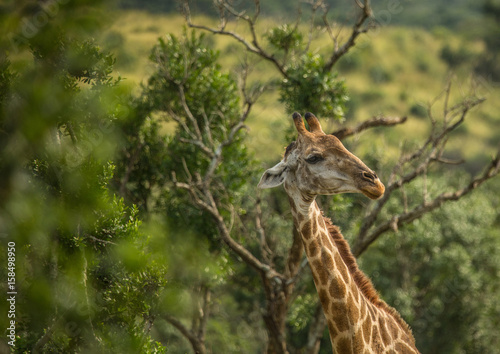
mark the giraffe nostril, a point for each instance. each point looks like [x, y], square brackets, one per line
[369, 176]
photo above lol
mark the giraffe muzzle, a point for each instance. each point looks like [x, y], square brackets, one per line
[371, 186]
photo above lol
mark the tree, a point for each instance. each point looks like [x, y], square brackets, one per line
[84, 274]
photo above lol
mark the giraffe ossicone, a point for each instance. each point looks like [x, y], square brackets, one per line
[319, 164]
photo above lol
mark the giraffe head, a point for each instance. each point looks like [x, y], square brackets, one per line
[318, 163]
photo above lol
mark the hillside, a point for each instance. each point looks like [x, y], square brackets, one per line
[455, 14]
[393, 71]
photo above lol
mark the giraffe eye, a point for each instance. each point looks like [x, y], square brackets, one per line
[314, 159]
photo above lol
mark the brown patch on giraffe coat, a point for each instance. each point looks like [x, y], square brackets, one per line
[321, 271]
[337, 289]
[367, 330]
[341, 267]
[332, 329]
[353, 310]
[384, 334]
[375, 338]
[314, 230]
[313, 249]
[327, 260]
[358, 342]
[403, 348]
[342, 321]
[324, 299]
[325, 239]
[344, 345]
[305, 231]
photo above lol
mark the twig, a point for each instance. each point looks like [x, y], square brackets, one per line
[99, 240]
[252, 46]
[198, 346]
[371, 123]
[430, 151]
[357, 29]
[492, 170]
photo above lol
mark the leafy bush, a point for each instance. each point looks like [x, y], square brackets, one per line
[380, 75]
[455, 57]
[308, 87]
[418, 110]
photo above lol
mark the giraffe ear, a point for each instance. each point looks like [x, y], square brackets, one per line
[274, 176]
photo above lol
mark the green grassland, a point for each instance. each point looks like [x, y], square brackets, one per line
[392, 71]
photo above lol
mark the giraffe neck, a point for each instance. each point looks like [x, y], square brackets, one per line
[357, 319]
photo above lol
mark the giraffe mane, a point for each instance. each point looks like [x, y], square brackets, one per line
[360, 279]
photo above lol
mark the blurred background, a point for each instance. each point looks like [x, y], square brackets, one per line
[134, 133]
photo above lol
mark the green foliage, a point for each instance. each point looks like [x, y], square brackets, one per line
[285, 37]
[349, 62]
[426, 13]
[189, 91]
[455, 57]
[310, 87]
[418, 110]
[380, 75]
[488, 64]
[204, 102]
[86, 277]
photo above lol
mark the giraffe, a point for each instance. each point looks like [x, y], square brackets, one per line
[317, 163]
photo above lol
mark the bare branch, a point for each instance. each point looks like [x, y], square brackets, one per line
[371, 123]
[264, 247]
[197, 344]
[217, 155]
[357, 29]
[199, 144]
[203, 313]
[190, 115]
[430, 151]
[253, 46]
[93, 238]
[205, 201]
[397, 221]
[315, 5]
[418, 162]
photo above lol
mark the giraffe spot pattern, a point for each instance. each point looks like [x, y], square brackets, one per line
[337, 289]
[341, 267]
[384, 333]
[402, 348]
[352, 309]
[306, 230]
[358, 343]
[344, 345]
[367, 330]
[376, 341]
[342, 322]
[327, 260]
[322, 271]
[324, 299]
[313, 249]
